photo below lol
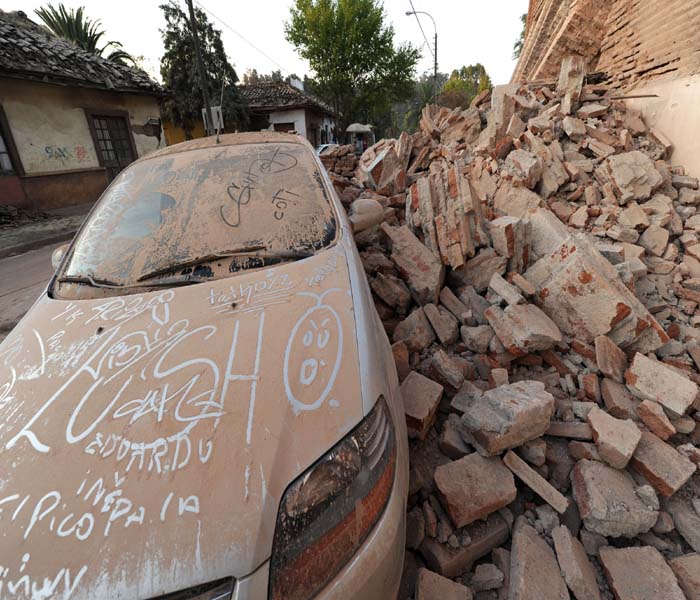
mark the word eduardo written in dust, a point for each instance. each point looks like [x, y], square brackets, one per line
[257, 171]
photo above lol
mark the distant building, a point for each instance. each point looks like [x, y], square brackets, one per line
[69, 120]
[280, 106]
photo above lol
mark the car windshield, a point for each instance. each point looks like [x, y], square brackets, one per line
[182, 209]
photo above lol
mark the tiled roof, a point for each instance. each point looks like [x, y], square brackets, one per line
[29, 51]
[279, 95]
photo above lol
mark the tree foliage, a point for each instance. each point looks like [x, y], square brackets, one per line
[252, 76]
[178, 69]
[464, 85]
[72, 25]
[350, 48]
[518, 46]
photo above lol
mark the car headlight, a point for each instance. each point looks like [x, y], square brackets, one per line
[328, 512]
[216, 590]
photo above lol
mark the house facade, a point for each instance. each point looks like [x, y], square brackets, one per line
[69, 120]
[280, 106]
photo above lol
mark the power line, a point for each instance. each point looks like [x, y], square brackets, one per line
[225, 24]
[425, 37]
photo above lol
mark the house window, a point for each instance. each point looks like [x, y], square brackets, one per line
[113, 142]
[284, 127]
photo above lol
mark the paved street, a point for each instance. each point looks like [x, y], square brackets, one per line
[22, 279]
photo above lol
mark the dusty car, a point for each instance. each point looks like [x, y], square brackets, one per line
[323, 148]
[203, 403]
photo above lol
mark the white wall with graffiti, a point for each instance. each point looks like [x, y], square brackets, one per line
[50, 127]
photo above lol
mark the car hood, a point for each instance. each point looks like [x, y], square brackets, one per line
[146, 440]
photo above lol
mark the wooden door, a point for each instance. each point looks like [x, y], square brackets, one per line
[113, 143]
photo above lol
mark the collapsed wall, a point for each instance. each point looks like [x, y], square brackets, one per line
[536, 262]
[645, 48]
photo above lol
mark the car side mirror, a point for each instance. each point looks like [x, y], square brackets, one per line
[57, 255]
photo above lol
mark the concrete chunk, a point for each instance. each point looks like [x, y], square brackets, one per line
[607, 501]
[473, 487]
[651, 380]
[509, 415]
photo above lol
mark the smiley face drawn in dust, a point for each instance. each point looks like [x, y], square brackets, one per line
[313, 356]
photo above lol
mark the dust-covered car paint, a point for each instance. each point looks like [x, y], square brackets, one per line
[146, 439]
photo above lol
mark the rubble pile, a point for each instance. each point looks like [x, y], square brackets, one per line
[536, 263]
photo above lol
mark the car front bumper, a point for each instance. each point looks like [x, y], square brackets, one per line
[374, 571]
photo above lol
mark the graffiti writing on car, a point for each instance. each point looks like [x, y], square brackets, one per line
[240, 192]
[135, 391]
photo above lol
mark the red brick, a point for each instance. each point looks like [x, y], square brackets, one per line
[431, 586]
[611, 361]
[473, 487]
[421, 398]
[534, 571]
[639, 573]
[662, 466]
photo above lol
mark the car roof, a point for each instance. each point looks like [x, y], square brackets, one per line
[231, 139]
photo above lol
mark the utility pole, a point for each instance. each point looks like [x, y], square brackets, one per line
[435, 65]
[200, 68]
[435, 78]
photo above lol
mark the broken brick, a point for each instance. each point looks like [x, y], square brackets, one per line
[509, 415]
[616, 439]
[651, 380]
[661, 465]
[608, 502]
[473, 487]
[421, 398]
[639, 573]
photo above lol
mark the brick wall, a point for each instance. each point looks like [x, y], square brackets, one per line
[633, 41]
[651, 39]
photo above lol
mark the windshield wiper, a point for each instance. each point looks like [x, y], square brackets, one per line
[105, 283]
[251, 252]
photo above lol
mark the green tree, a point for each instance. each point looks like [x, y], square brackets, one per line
[464, 85]
[518, 46]
[350, 49]
[252, 76]
[178, 69]
[72, 25]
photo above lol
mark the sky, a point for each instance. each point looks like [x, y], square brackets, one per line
[469, 31]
